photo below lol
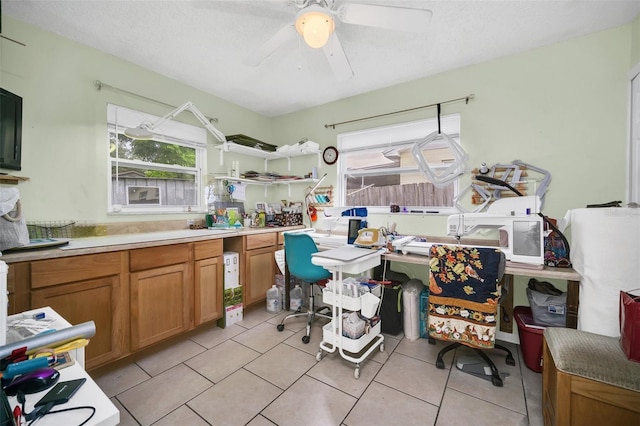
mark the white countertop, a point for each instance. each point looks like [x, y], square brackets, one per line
[113, 240]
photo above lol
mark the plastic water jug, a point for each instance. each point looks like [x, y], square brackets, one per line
[295, 298]
[273, 300]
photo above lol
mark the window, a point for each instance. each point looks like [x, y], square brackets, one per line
[162, 175]
[376, 167]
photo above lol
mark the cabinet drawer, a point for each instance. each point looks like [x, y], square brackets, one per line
[207, 249]
[71, 269]
[261, 240]
[155, 257]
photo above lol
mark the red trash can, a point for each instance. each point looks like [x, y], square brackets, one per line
[530, 338]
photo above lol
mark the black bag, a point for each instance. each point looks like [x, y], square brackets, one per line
[391, 309]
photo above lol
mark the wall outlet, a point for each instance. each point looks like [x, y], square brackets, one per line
[189, 222]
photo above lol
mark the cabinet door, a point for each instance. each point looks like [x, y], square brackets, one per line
[159, 304]
[96, 300]
[18, 287]
[260, 273]
[208, 290]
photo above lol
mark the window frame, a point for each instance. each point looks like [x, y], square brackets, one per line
[393, 136]
[170, 132]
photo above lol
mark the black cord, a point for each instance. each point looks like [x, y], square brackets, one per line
[43, 410]
[499, 182]
[43, 413]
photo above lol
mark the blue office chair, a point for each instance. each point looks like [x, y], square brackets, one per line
[298, 249]
[464, 297]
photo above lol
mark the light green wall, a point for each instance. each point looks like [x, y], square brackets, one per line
[64, 118]
[561, 107]
[635, 41]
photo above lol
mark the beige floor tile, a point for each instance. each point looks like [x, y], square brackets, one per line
[282, 365]
[295, 324]
[126, 419]
[314, 341]
[183, 416]
[259, 420]
[459, 409]
[255, 316]
[532, 383]
[510, 395]
[339, 373]
[236, 400]
[309, 402]
[168, 357]
[262, 337]
[222, 360]
[213, 336]
[160, 395]
[381, 405]
[117, 380]
[422, 350]
[414, 377]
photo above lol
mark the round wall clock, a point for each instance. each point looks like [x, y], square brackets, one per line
[330, 155]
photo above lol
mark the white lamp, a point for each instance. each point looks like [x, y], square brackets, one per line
[307, 195]
[144, 130]
[316, 25]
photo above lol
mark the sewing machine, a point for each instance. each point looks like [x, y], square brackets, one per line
[520, 229]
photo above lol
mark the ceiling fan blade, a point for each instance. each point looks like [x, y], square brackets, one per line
[280, 38]
[337, 59]
[389, 17]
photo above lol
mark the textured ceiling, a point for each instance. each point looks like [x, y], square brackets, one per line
[203, 43]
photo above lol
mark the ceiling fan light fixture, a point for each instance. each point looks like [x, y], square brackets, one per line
[315, 25]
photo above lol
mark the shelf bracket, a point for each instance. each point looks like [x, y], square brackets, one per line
[266, 165]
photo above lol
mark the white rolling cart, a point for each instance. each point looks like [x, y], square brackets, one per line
[350, 260]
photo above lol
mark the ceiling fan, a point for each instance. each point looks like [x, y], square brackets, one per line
[315, 22]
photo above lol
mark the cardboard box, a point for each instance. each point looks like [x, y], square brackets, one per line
[232, 296]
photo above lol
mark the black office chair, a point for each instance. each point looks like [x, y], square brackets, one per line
[464, 297]
[298, 249]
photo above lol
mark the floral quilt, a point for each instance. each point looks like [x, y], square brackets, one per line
[464, 294]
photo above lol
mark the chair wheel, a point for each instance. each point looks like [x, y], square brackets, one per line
[356, 373]
[431, 340]
[440, 364]
[319, 355]
[305, 339]
[280, 327]
[497, 381]
[510, 360]
[381, 347]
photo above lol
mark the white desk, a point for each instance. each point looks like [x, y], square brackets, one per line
[88, 395]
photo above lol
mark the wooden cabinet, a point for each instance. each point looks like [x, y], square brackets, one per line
[161, 293]
[208, 281]
[259, 266]
[18, 287]
[87, 288]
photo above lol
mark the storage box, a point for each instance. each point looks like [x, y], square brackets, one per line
[530, 338]
[548, 310]
[232, 295]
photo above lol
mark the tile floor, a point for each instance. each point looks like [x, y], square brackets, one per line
[251, 374]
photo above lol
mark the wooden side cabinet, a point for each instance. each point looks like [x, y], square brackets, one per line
[259, 266]
[208, 281]
[161, 293]
[87, 288]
